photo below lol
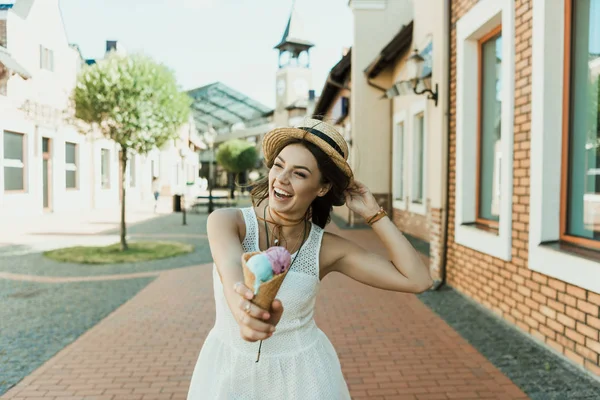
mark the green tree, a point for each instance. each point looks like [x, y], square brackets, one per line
[236, 156]
[135, 102]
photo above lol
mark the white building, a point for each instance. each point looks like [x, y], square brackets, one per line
[46, 164]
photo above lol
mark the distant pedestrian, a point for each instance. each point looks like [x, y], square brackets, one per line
[308, 175]
[156, 191]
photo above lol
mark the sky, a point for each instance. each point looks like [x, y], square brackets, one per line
[204, 41]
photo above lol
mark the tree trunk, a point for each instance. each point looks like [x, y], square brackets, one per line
[124, 246]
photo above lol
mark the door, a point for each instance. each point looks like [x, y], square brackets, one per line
[46, 173]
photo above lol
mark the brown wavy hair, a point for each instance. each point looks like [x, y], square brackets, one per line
[321, 207]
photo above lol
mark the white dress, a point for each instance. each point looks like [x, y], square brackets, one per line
[297, 362]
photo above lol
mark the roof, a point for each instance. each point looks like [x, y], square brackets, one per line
[338, 74]
[221, 107]
[293, 34]
[390, 53]
[6, 6]
[11, 64]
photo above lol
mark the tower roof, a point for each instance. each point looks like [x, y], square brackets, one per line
[293, 35]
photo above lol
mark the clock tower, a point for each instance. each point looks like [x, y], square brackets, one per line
[293, 78]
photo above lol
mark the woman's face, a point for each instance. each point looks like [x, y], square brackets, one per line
[294, 180]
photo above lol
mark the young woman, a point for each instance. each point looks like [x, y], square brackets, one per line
[308, 175]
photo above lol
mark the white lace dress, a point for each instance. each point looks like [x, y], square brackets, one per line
[297, 362]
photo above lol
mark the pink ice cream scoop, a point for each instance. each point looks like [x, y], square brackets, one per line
[280, 259]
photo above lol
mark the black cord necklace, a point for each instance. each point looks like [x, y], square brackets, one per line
[292, 263]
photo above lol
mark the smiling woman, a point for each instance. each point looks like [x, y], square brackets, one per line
[308, 175]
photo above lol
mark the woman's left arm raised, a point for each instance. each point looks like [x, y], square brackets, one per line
[404, 273]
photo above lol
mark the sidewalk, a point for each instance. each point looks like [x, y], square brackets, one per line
[391, 345]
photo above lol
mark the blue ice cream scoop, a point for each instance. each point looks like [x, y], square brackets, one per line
[260, 266]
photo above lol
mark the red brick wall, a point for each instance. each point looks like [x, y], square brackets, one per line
[565, 317]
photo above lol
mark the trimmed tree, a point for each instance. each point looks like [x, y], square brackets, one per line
[236, 156]
[135, 102]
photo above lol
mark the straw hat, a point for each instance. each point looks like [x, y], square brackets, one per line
[320, 133]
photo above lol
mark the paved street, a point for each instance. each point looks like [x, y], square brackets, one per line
[134, 331]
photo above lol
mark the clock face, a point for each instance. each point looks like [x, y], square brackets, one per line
[280, 87]
[301, 88]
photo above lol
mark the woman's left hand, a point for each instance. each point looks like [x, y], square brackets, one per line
[360, 200]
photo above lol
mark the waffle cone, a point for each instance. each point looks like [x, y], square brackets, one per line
[267, 290]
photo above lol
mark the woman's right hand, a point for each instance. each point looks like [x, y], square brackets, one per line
[255, 323]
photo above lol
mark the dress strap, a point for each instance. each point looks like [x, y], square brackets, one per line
[250, 242]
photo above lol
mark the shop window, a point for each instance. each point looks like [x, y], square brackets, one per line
[105, 169]
[14, 162]
[71, 165]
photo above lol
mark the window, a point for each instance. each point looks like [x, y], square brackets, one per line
[399, 165]
[46, 59]
[489, 143]
[418, 165]
[399, 158]
[105, 169]
[580, 203]
[485, 106]
[553, 109]
[71, 165]
[132, 172]
[14, 161]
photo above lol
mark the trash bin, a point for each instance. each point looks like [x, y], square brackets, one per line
[177, 203]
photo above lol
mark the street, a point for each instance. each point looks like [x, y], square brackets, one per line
[135, 331]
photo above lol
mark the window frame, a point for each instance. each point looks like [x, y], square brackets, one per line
[417, 108]
[75, 168]
[488, 224]
[546, 147]
[566, 133]
[24, 162]
[400, 119]
[482, 18]
[46, 58]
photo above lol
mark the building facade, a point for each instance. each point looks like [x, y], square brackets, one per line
[476, 125]
[523, 237]
[46, 163]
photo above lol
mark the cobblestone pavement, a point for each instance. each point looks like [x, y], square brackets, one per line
[391, 345]
[536, 370]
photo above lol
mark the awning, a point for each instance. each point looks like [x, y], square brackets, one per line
[11, 64]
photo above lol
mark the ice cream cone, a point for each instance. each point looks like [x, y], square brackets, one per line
[267, 290]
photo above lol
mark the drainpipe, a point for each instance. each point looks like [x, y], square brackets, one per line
[444, 258]
[391, 105]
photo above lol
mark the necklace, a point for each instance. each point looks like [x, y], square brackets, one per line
[292, 263]
[279, 226]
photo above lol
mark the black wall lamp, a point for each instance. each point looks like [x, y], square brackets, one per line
[414, 65]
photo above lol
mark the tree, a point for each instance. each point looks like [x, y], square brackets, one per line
[236, 156]
[133, 101]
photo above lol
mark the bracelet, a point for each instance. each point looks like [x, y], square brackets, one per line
[380, 214]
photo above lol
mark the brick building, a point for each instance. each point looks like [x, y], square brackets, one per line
[532, 257]
[507, 153]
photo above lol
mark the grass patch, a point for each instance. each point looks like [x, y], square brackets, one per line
[138, 251]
